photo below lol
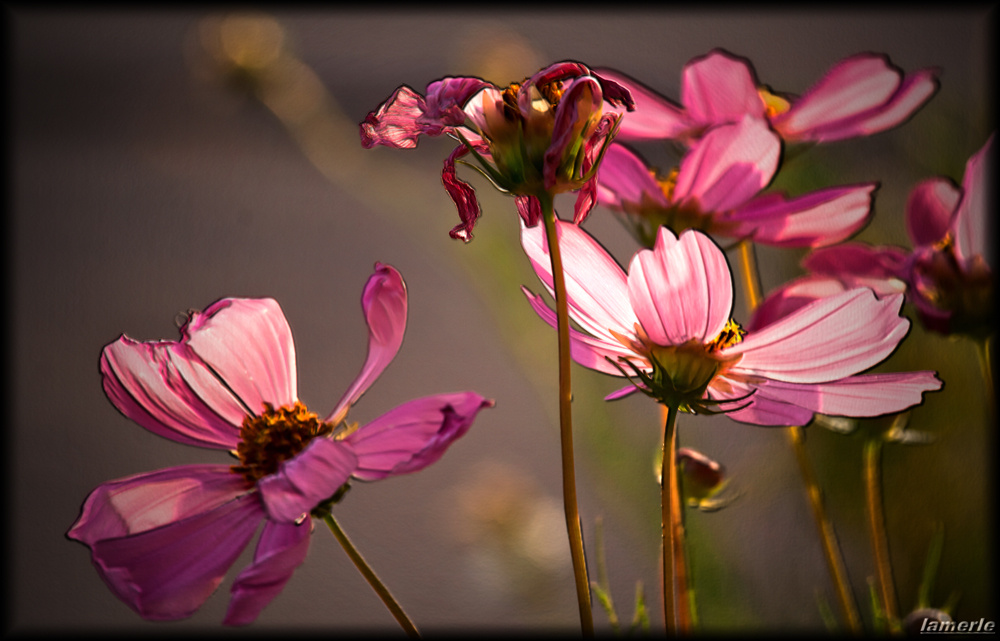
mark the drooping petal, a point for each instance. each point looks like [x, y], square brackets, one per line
[580, 103]
[625, 178]
[816, 219]
[596, 286]
[720, 88]
[445, 102]
[829, 339]
[929, 210]
[248, 344]
[163, 541]
[463, 195]
[384, 304]
[728, 166]
[654, 116]
[168, 390]
[529, 208]
[413, 435]
[307, 479]
[282, 548]
[586, 198]
[394, 123]
[682, 289]
[971, 223]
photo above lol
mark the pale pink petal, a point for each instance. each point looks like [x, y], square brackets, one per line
[816, 219]
[720, 88]
[792, 296]
[759, 409]
[163, 541]
[248, 344]
[168, 390]
[682, 289]
[654, 117]
[728, 166]
[596, 289]
[413, 435]
[282, 547]
[394, 123]
[307, 479]
[829, 339]
[384, 304]
[929, 210]
[971, 224]
[624, 177]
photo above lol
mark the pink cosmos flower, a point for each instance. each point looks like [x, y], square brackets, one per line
[542, 136]
[861, 95]
[947, 275]
[666, 325]
[163, 541]
[717, 189]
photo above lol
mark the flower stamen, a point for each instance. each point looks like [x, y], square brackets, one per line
[274, 436]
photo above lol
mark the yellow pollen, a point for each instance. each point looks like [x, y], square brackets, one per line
[666, 183]
[773, 104]
[730, 335]
[275, 436]
[945, 244]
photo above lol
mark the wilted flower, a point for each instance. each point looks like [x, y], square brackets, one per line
[948, 275]
[667, 326]
[717, 189]
[540, 137]
[861, 95]
[163, 541]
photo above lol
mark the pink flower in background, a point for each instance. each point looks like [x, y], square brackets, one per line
[666, 325]
[947, 275]
[163, 541]
[861, 95]
[541, 137]
[717, 189]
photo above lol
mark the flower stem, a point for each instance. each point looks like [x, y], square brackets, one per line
[876, 523]
[370, 576]
[566, 422]
[676, 598]
[796, 438]
[986, 367]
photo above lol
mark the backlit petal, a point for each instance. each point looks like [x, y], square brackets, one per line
[929, 210]
[394, 123]
[720, 88]
[858, 396]
[624, 177]
[654, 117]
[307, 479]
[971, 223]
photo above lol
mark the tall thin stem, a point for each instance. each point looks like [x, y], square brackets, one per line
[369, 574]
[676, 597]
[573, 526]
[986, 367]
[876, 524]
[796, 438]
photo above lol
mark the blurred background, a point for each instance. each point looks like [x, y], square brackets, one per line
[163, 159]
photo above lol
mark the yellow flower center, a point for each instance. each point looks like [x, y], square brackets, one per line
[731, 334]
[667, 183]
[773, 104]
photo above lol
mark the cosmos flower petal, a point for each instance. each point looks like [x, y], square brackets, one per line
[681, 290]
[168, 390]
[596, 288]
[394, 123]
[828, 339]
[720, 88]
[654, 118]
[220, 336]
[384, 304]
[816, 219]
[163, 541]
[462, 194]
[860, 263]
[282, 548]
[625, 178]
[970, 225]
[413, 435]
[580, 101]
[307, 479]
[763, 409]
[728, 166]
[929, 209]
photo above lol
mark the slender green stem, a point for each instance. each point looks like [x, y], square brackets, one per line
[370, 576]
[676, 596]
[876, 524]
[566, 422]
[986, 367]
[796, 438]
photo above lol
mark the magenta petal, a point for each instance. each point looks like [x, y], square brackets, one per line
[580, 101]
[860, 396]
[654, 117]
[462, 194]
[529, 208]
[764, 410]
[163, 541]
[282, 548]
[624, 177]
[859, 263]
[445, 103]
[413, 435]
[586, 197]
[929, 209]
[970, 224]
[682, 289]
[720, 88]
[168, 390]
[728, 166]
[248, 344]
[816, 219]
[793, 296]
[394, 124]
[307, 479]
[384, 304]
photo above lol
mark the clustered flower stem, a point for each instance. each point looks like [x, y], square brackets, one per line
[676, 597]
[370, 576]
[796, 438]
[573, 526]
[876, 524]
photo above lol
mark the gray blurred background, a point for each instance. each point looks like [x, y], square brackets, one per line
[148, 178]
